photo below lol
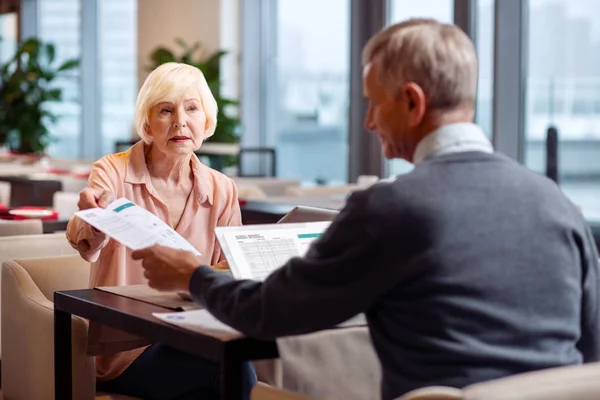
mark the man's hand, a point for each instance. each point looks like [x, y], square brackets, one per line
[166, 268]
[92, 198]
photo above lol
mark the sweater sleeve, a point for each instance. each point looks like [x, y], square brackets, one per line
[80, 234]
[589, 343]
[337, 279]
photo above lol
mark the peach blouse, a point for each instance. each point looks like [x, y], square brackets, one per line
[212, 202]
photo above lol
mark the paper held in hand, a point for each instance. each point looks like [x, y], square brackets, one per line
[134, 226]
[254, 251]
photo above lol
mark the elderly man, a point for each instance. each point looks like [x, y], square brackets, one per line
[468, 268]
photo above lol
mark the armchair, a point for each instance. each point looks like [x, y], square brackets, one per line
[22, 246]
[28, 286]
[572, 382]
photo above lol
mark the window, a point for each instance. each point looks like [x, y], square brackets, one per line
[8, 36]
[563, 91]
[59, 24]
[118, 70]
[484, 37]
[307, 105]
[114, 74]
[441, 10]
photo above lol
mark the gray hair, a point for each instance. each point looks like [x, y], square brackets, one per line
[440, 58]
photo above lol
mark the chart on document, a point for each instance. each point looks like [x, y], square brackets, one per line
[257, 253]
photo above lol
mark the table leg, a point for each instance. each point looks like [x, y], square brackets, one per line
[63, 386]
[231, 378]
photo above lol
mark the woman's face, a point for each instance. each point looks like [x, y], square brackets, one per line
[178, 126]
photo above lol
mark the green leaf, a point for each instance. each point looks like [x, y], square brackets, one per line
[182, 43]
[31, 46]
[50, 52]
[68, 65]
[215, 58]
[161, 56]
[26, 87]
[54, 94]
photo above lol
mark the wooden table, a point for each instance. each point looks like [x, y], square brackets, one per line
[25, 191]
[135, 317]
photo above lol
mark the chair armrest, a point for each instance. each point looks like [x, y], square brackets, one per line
[28, 341]
[434, 393]
[266, 392]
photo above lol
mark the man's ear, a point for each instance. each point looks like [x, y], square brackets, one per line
[416, 102]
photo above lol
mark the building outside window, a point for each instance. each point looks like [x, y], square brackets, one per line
[563, 91]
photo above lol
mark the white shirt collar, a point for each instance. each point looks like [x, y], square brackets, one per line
[452, 138]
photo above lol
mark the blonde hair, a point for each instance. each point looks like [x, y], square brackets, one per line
[167, 82]
[440, 58]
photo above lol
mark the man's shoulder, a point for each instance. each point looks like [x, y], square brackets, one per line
[495, 163]
[386, 200]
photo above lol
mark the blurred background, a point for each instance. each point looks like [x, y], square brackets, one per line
[288, 77]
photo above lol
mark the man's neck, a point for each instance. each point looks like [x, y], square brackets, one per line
[434, 120]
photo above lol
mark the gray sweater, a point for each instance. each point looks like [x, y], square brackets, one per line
[469, 268]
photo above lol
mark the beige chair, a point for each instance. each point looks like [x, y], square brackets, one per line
[578, 382]
[12, 247]
[65, 204]
[71, 184]
[265, 392]
[24, 227]
[5, 193]
[28, 286]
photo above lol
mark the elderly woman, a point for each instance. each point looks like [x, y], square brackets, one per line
[175, 113]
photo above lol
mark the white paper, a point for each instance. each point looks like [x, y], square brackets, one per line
[255, 252]
[134, 226]
[200, 321]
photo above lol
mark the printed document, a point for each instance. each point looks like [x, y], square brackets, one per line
[134, 226]
[254, 251]
[200, 321]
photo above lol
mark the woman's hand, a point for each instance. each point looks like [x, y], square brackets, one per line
[92, 198]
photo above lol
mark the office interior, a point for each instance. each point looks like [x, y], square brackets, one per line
[290, 72]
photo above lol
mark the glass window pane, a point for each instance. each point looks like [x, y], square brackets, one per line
[307, 116]
[59, 23]
[118, 69]
[563, 91]
[8, 36]
[441, 10]
[485, 54]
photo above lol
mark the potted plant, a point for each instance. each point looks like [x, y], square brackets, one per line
[228, 124]
[25, 91]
